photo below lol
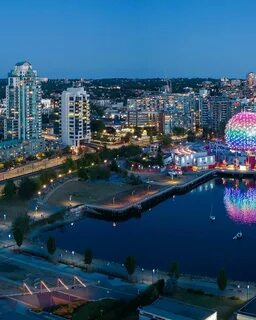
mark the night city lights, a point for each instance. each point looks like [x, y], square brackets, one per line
[241, 204]
[128, 160]
[240, 131]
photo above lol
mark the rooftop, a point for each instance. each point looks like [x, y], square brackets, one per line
[23, 63]
[249, 309]
[174, 309]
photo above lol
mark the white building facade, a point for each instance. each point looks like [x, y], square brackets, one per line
[23, 104]
[75, 117]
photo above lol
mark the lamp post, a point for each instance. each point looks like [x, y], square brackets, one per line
[142, 274]
[248, 287]
[153, 272]
[73, 253]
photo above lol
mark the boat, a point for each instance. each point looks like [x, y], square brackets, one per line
[238, 236]
[114, 224]
[212, 217]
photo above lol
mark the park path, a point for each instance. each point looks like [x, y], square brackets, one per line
[239, 289]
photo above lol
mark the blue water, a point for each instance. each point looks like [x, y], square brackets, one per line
[179, 229]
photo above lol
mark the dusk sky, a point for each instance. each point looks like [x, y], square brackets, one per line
[129, 38]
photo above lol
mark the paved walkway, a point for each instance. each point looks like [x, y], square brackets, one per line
[208, 285]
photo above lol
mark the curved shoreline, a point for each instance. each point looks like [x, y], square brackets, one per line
[135, 209]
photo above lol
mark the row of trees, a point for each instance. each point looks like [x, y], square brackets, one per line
[20, 228]
[28, 186]
[89, 166]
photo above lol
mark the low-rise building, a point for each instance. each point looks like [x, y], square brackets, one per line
[170, 309]
[248, 311]
[185, 157]
[16, 148]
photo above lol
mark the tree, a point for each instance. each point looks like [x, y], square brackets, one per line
[69, 164]
[18, 236]
[99, 173]
[97, 125]
[179, 131]
[27, 188]
[9, 189]
[51, 245]
[166, 140]
[159, 158]
[113, 166]
[82, 173]
[151, 139]
[138, 132]
[191, 136]
[47, 175]
[21, 223]
[134, 179]
[174, 274]
[174, 270]
[222, 280]
[88, 256]
[130, 265]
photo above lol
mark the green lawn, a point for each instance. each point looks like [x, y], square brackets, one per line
[12, 208]
[96, 309]
[88, 192]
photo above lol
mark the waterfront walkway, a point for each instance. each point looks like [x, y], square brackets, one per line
[208, 285]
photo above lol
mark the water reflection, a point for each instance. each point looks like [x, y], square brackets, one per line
[240, 202]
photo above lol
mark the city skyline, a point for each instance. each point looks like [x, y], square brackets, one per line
[130, 39]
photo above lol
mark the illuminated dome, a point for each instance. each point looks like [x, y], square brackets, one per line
[240, 131]
[241, 205]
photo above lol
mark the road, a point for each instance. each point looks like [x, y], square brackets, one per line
[33, 167]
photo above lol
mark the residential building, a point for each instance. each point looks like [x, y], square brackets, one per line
[23, 104]
[251, 79]
[75, 117]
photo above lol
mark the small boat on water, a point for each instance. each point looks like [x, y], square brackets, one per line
[114, 224]
[212, 217]
[238, 236]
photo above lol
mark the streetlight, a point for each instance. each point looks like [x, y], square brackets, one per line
[73, 253]
[153, 272]
[248, 287]
[142, 270]
[4, 216]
